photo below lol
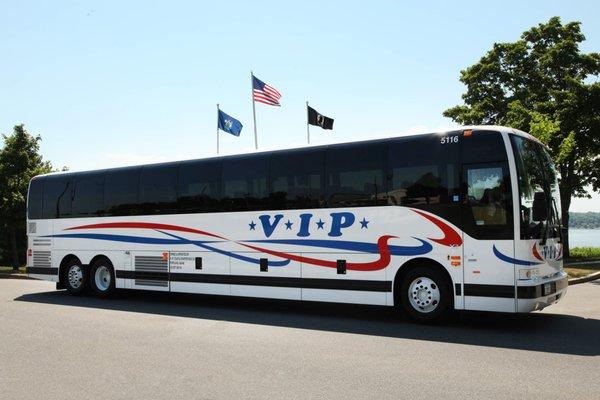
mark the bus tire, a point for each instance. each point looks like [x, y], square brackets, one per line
[426, 295]
[102, 278]
[75, 277]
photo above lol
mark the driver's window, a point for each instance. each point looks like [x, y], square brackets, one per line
[486, 196]
[487, 205]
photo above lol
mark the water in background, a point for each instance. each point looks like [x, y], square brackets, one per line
[584, 238]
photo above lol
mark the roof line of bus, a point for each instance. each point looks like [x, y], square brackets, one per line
[497, 128]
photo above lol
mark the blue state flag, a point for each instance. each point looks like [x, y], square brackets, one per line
[229, 124]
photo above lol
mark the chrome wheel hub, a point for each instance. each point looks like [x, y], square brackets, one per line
[424, 295]
[102, 278]
[75, 276]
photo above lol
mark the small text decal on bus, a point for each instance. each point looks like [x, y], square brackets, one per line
[449, 139]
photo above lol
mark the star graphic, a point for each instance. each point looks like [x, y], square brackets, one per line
[364, 223]
[252, 226]
[288, 225]
[320, 224]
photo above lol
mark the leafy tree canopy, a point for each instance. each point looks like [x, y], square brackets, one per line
[19, 162]
[545, 85]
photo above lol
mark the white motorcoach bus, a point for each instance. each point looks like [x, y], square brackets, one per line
[465, 220]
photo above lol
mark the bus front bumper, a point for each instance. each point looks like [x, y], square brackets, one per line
[541, 295]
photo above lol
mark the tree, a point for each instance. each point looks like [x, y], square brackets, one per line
[19, 162]
[542, 84]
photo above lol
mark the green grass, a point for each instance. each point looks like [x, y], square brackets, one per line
[585, 252]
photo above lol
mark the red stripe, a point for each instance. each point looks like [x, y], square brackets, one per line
[272, 90]
[536, 254]
[381, 263]
[451, 237]
[145, 225]
[266, 95]
[266, 100]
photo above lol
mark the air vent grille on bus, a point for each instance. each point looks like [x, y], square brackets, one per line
[41, 259]
[41, 242]
[151, 271]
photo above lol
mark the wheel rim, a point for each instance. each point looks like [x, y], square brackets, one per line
[102, 278]
[424, 295]
[75, 276]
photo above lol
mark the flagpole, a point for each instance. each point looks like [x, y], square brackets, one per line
[307, 125]
[253, 109]
[218, 116]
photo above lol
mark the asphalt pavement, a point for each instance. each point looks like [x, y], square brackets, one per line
[143, 345]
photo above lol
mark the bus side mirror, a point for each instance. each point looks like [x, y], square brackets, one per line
[540, 207]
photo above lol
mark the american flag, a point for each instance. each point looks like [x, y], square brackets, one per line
[264, 93]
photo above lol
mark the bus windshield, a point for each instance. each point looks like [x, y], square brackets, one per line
[536, 173]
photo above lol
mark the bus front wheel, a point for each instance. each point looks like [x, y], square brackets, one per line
[425, 295]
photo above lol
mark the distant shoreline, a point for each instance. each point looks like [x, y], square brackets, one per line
[584, 220]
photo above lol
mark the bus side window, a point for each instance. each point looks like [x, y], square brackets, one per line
[199, 186]
[158, 189]
[88, 194]
[57, 196]
[424, 174]
[34, 200]
[296, 179]
[245, 183]
[121, 190]
[355, 175]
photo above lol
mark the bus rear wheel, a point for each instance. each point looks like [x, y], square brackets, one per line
[102, 278]
[425, 295]
[75, 278]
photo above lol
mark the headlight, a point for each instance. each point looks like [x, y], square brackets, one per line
[529, 273]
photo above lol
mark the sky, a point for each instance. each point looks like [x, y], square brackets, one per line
[111, 83]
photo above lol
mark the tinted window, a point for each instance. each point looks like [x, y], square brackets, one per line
[158, 189]
[296, 179]
[199, 186]
[483, 146]
[355, 175]
[487, 211]
[34, 198]
[423, 171]
[88, 194]
[245, 183]
[57, 196]
[121, 191]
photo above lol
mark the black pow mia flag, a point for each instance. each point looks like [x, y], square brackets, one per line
[314, 118]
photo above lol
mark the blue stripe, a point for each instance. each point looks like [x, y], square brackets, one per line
[513, 260]
[364, 247]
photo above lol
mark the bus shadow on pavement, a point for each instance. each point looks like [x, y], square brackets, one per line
[552, 333]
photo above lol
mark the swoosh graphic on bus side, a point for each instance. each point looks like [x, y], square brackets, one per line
[381, 263]
[381, 247]
[145, 225]
[271, 263]
[363, 247]
[513, 260]
[451, 237]
[121, 238]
